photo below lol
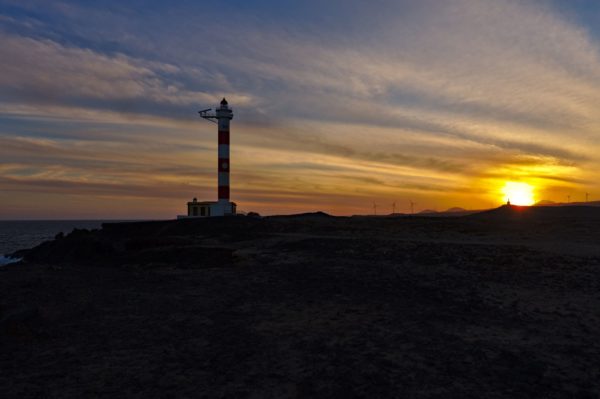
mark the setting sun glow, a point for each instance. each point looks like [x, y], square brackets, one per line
[518, 193]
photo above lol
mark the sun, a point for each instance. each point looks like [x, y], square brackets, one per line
[518, 193]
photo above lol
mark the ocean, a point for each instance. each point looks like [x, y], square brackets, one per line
[15, 235]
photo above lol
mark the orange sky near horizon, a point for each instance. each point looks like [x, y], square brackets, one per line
[156, 184]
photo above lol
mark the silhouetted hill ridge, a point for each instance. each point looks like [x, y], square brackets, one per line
[455, 209]
[511, 212]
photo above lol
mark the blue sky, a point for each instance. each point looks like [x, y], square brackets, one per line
[337, 104]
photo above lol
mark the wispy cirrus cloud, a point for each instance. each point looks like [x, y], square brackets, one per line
[41, 71]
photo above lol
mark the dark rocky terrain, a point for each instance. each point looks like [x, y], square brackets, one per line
[501, 304]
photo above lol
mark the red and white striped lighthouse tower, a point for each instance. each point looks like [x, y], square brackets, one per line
[224, 115]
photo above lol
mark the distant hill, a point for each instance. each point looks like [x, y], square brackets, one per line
[455, 209]
[318, 214]
[545, 203]
[554, 213]
[427, 211]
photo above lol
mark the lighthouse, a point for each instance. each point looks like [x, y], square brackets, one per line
[223, 206]
[224, 116]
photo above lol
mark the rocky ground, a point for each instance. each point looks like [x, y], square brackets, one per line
[503, 304]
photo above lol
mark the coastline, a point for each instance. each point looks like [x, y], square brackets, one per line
[7, 260]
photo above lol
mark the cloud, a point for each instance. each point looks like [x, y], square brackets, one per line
[41, 71]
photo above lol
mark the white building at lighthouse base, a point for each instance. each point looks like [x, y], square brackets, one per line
[202, 209]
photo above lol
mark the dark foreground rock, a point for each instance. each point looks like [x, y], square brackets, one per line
[494, 305]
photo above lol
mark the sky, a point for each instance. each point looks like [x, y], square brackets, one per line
[337, 105]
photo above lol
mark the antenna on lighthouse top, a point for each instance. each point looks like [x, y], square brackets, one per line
[209, 117]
